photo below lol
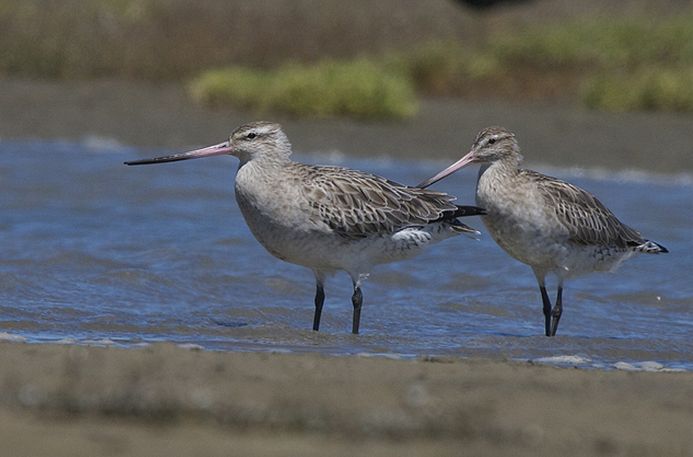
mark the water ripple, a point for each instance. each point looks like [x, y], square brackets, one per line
[97, 253]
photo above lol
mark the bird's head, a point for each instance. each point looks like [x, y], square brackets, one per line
[248, 142]
[491, 144]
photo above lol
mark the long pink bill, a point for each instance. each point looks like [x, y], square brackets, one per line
[216, 150]
[464, 161]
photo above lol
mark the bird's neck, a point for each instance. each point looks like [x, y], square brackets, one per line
[495, 181]
[269, 162]
[501, 169]
[263, 174]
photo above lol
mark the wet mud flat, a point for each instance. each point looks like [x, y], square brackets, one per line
[162, 116]
[165, 400]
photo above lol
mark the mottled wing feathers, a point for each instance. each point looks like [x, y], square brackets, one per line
[587, 220]
[355, 204]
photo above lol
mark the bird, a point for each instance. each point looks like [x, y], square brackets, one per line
[549, 224]
[328, 218]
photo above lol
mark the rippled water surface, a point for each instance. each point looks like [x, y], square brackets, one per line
[96, 252]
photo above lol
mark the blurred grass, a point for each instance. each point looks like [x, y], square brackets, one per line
[359, 88]
[175, 39]
[443, 67]
[618, 64]
[623, 42]
[614, 64]
[325, 58]
[647, 89]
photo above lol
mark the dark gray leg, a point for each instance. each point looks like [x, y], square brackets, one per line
[557, 310]
[545, 300]
[319, 300]
[546, 309]
[357, 301]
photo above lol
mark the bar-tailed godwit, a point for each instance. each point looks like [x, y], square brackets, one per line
[549, 224]
[329, 218]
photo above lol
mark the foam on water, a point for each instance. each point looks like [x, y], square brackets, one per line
[564, 360]
[94, 252]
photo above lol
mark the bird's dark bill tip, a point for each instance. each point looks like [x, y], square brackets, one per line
[216, 150]
[155, 160]
[139, 162]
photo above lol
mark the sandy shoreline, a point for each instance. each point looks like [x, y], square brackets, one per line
[163, 400]
[161, 116]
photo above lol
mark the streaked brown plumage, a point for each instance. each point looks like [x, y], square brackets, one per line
[586, 219]
[356, 204]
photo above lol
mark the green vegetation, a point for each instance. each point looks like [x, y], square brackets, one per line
[443, 68]
[620, 64]
[600, 43]
[359, 88]
[615, 63]
[176, 39]
[660, 90]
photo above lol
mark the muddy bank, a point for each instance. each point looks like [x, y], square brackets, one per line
[164, 400]
[161, 116]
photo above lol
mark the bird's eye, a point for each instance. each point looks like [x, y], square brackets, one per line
[491, 140]
[251, 135]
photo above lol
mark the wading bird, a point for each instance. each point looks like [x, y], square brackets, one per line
[549, 224]
[329, 218]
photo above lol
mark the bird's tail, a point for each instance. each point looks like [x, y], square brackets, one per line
[459, 227]
[463, 211]
[650, 247]
[451, 219]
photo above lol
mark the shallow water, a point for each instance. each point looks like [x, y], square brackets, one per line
[94, 252]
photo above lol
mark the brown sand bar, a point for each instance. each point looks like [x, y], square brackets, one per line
[161, 400]
[162, 116]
